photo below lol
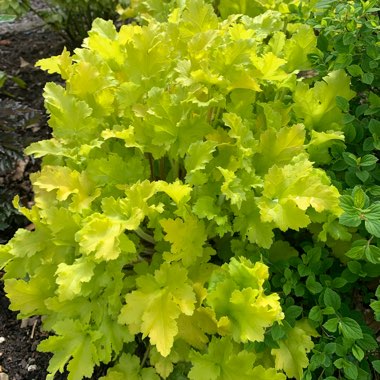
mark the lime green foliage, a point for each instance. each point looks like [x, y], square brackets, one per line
[161, 9]
[291, 354]
[178, 157]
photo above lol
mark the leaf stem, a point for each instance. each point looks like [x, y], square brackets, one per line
[143, 235]
[145, 357]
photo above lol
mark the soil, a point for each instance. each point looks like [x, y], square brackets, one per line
[22, 43]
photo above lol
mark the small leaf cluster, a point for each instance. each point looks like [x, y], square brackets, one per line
[346, 347]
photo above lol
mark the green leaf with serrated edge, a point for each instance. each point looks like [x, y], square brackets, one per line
[332, 299]
[372, 254]
[236, 293]
[350, 328]
[29, 296]
[312, 285]
[331, 325]
[291, 356]
[128, 367]
[249, 224]
[193, 329]
[298, 48]
[317, 105]
[187, 238]
[315, 314]
[280, 147]
[320, 144]
[71, 277]
[376, 365]
[104, 238]
[70, 117]
[358, 352]
[165, 365]
[154, 308]
[290, 190]
[224, 359]
[72, 345]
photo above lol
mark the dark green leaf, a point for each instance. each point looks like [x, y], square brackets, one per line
[355, 70]
[313, 286]
[293, 312]
[338, 282]
[367, 78]
[331, 299]
[356, 253]
[350, 370]
[350, 159]
[376, 365]
[372, 254]
[362, 175]
[342, 103]
[315, 314]
[331, 324]
[277, 332]
[368, 160]
[330, 348]
[358, 352]
[367, 343]
[350, 328]
[374, 127]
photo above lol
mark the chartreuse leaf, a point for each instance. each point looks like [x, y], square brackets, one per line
[62, 179]
[104, 238]
[291, 356]
[70, 277]
[165, 365]
[317, 105]
[70, 117]
[297, 48]
[193, 329]
[226, 360]
[73, 344]
[250, 224]
[128, 367]
[61, 64]
[187, 238]
[155, 306]
[291, 189]
[280, 147]
[268, 67]
[236, 294]
[29, 296]
[320, 143]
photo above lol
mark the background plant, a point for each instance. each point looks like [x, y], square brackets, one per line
[71, 18]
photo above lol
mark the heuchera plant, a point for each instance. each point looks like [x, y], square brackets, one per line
[173, 142]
